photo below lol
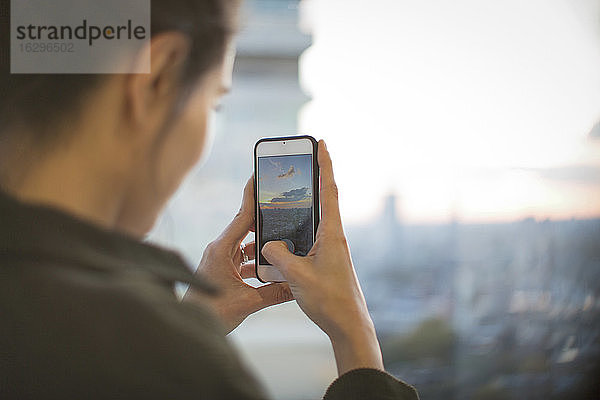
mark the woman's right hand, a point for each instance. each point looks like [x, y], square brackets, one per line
[325, 285]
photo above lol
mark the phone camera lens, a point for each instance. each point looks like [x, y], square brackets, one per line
[283, 142]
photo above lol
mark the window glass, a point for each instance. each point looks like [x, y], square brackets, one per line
[466, 144]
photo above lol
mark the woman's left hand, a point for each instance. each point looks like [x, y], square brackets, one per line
[222, 265]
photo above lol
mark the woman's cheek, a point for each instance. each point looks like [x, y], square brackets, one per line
[210, 131]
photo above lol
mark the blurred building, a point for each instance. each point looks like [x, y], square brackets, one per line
[264, 101]
[266, 95]
[487, 311]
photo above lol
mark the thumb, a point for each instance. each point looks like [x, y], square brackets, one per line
[278, 255]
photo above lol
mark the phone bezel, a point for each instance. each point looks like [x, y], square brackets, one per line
[316, 188]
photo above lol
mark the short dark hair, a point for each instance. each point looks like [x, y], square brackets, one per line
[41, 100]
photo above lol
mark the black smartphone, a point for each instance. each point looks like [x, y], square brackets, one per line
[286, 192]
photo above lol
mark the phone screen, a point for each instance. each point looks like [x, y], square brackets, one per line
[285, 201]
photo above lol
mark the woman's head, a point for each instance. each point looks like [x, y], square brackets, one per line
[137, 135]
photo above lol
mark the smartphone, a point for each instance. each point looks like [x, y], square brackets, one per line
[286, 192]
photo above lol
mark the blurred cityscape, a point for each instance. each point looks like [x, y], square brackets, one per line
[497, 311]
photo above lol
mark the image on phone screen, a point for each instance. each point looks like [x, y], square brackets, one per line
[285, 200]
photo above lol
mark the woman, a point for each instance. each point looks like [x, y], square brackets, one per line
[86, 164]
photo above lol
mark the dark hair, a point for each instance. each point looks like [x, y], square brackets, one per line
[38, 101]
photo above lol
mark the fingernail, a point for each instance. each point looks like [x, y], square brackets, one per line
[264, 248]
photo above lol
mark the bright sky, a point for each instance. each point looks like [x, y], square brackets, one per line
[479, 109]
[285, 181]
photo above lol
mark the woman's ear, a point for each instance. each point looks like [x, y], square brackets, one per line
[149, 96]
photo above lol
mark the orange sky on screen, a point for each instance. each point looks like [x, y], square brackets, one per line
[305, 203]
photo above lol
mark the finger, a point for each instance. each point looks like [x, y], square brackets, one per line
[278, 255]
[244, 219]
[274, 293]
[248, 270]
[330, 211]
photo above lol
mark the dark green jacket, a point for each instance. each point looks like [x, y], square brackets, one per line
[87, 313]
